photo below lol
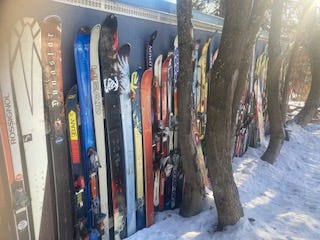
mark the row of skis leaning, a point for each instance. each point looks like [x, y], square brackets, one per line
[99, 163]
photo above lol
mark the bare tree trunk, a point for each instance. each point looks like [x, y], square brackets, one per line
[288, 76]
[194, 189]
[273, 85]
[313, 100]
[224, 77]
[256, 18]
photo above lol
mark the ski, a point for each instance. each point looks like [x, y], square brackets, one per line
[9, 227]
[146, 105]
[98, 116]
[91, 159]
[195, 61]
[177, 176]
[138, 147]
[126, 117]
[156, 87]
[54, 102]
[19, 196]
[165, 165]
[204, 89]
[108, 59]
[78, 193]
[149, 58]
[26, 76]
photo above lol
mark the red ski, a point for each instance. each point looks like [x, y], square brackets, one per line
[146, 84]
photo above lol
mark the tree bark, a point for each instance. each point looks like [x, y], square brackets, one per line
[224, 77]
[288, 76]
[256, 19]
[194, 189]
[313, 101]
[277, 133]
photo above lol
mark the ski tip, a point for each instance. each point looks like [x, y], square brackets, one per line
[52, 18]
[153, 36]
[124, 50]
[96, 27]
[159, 59]
[84, 30]
[176, 42]
[111, 22]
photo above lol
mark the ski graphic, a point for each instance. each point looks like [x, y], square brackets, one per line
[165, 166]
[8, 226]
[78, 193]
[91, 159]
[26, 75]
[204, 89]
[18, 188]
[108, 59]
[126, 116]
[98, 116]
[149, 59]
[157, 126]
[54, 102]
[146, 105]
[138, 147]
[195, 74]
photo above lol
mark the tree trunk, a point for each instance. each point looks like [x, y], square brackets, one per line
[273, 86]
[255, 21]
[194, 189]
[313, 100]
[224, 77]
[288, 76]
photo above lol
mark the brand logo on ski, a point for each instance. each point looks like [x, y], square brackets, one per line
[111, 85]
[19, 177]
[22, 225]
[27, 137]
[9, 119]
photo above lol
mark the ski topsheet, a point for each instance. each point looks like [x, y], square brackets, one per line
[146, 105]
[126, 116]
[91, 160]
[108, 59]
[19, 196]
[138, 146]
[9, 227]
[54, 99]
[26, 73]
[78, 193]
[157, 126]
[98, 116]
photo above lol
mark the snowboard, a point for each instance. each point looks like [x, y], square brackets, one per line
[26, 76]
[98, 117]
[138, 147]
[108, 60]
[126, 117]
[54, 106]
[90, 156]
[146, 112]
[18, 187]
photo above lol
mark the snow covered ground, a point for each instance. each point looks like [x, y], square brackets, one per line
[280, 201]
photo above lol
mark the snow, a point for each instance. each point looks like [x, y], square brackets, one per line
[280, 201]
